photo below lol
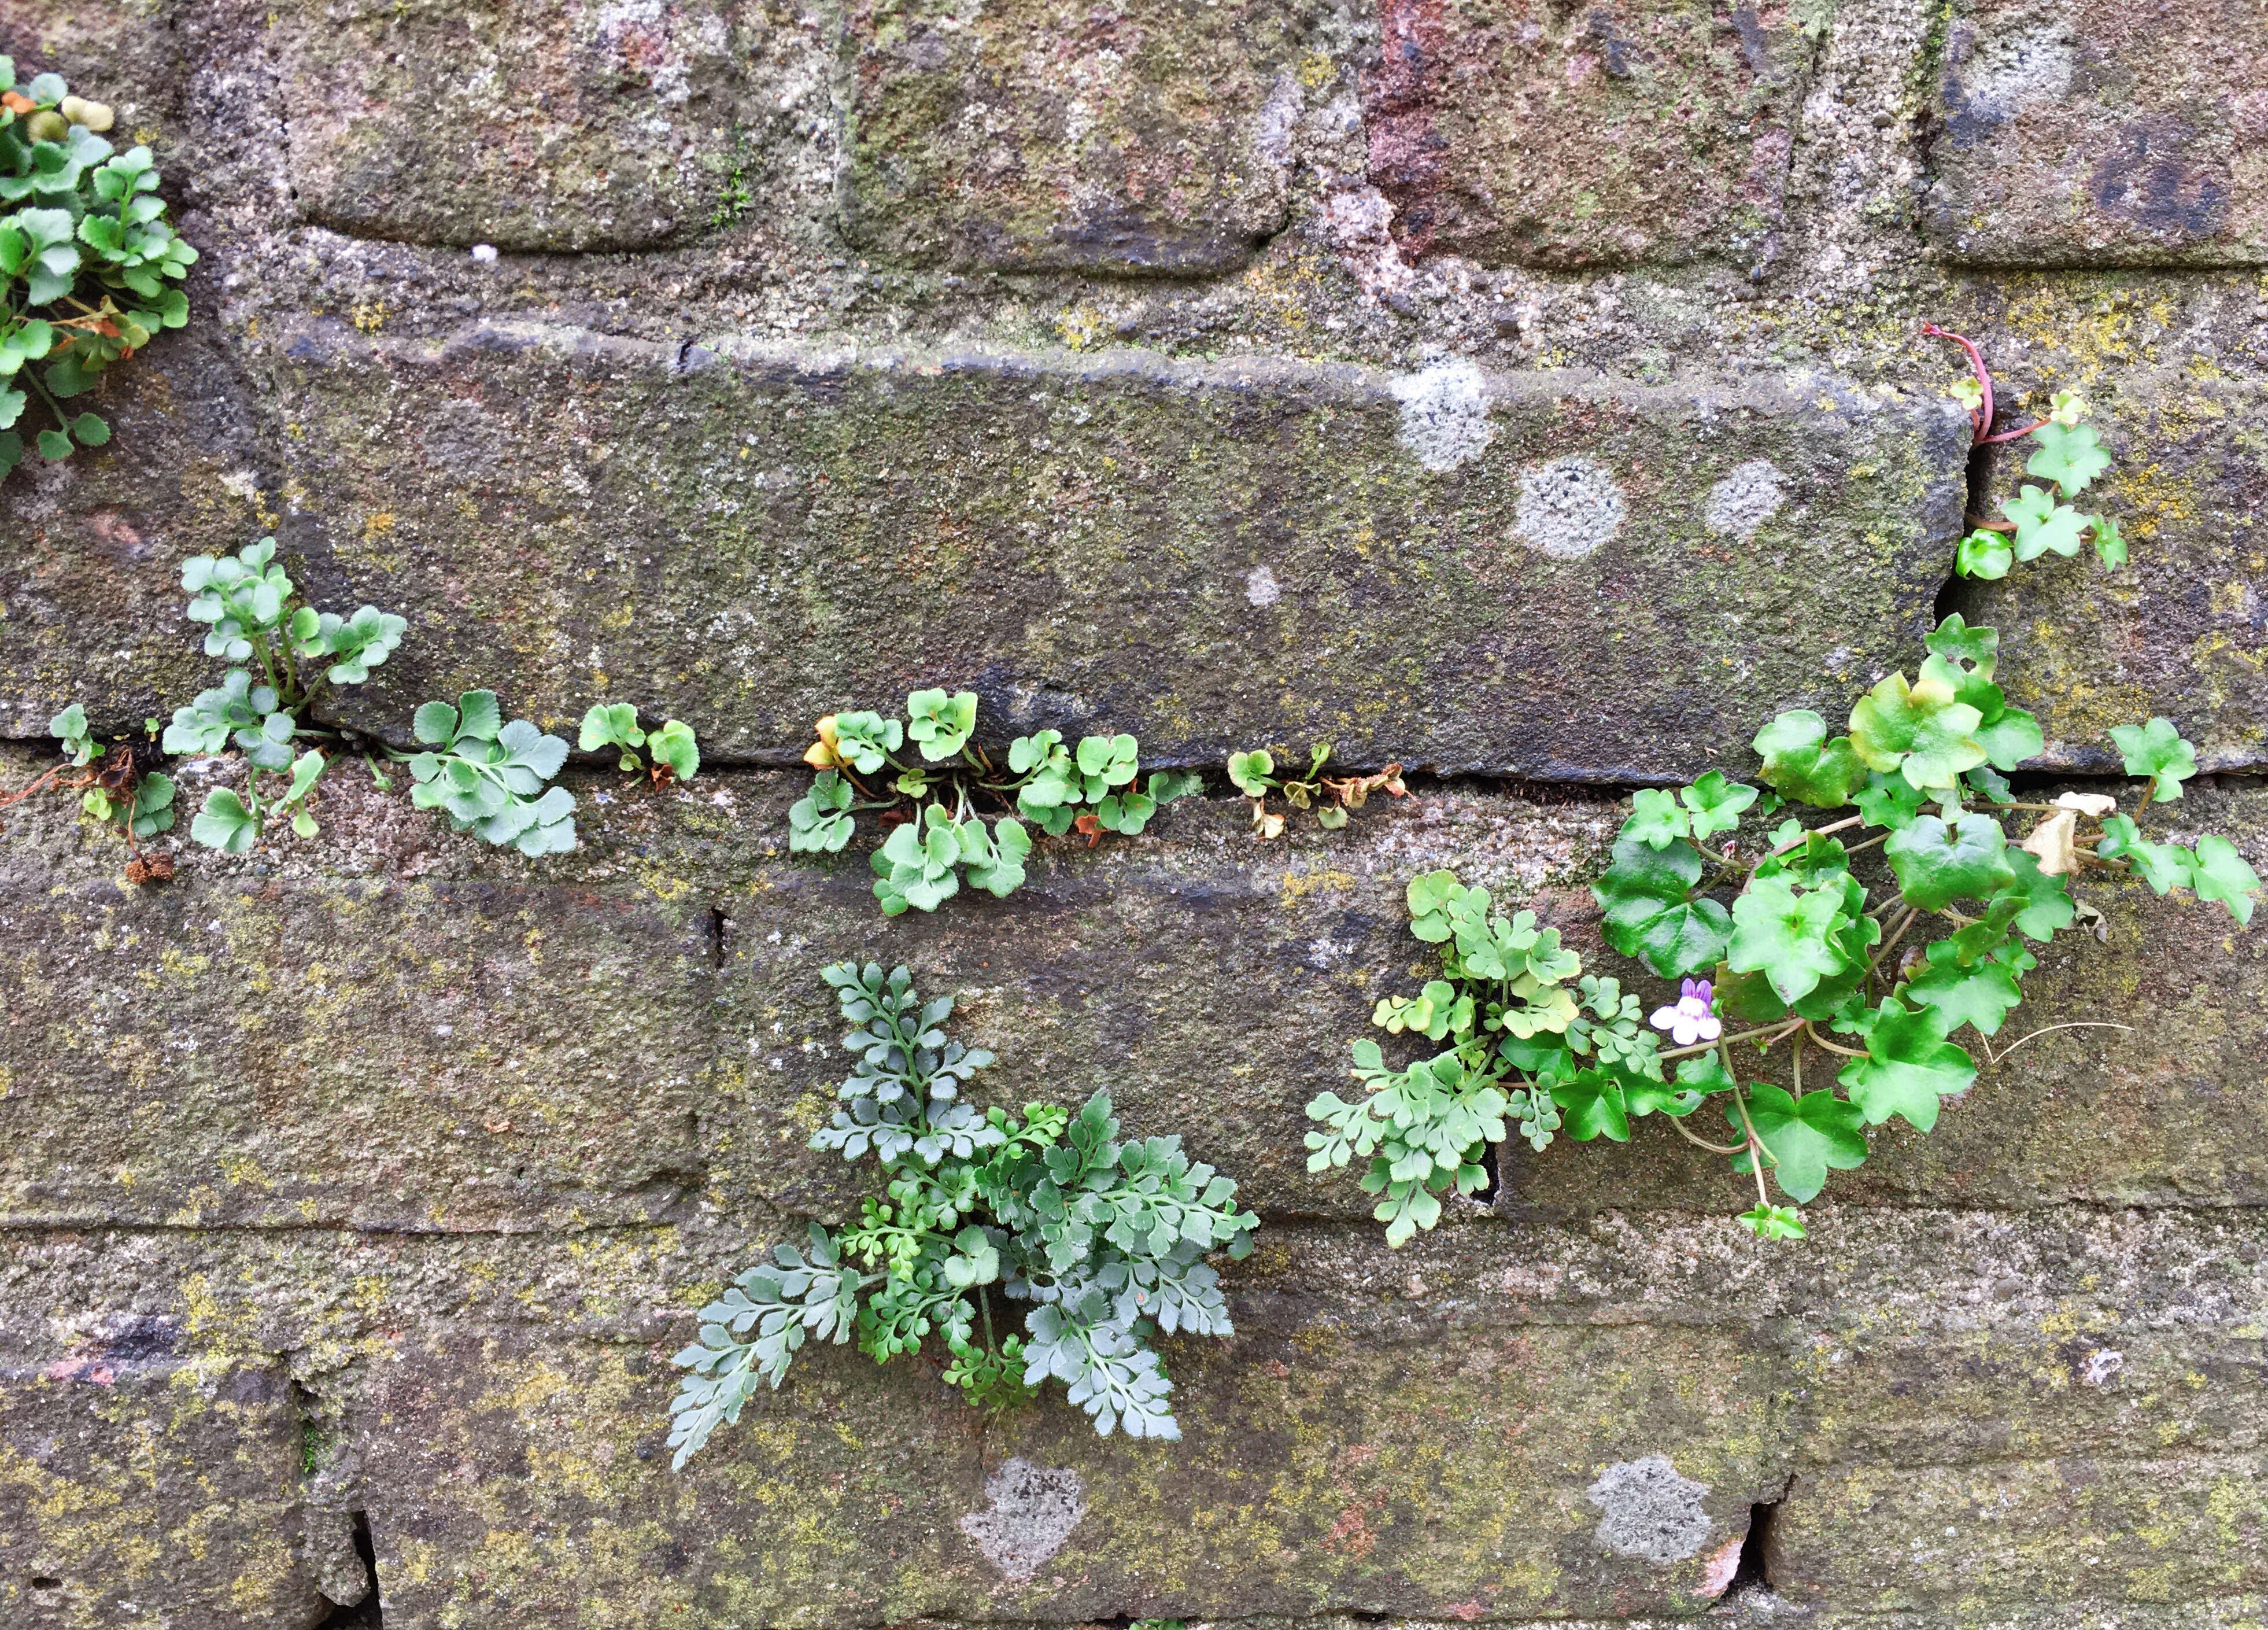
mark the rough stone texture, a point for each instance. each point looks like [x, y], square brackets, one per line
[1522, 391]
[201, 1054]
[2101, 133]
[599, 1041]
[523, 125]
[1150, 137]
[1413, 1434]
[1541, 134]
[94, 546]
[142, 1479]
[1073, 538]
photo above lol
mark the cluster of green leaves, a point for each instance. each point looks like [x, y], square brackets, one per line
[1797, 948]
[2068, 457]
[613, 727]
[489, 777]
[933, 780]
[1529, 1040]
[1106, 1239]
[88, 264]
[485, 775]
[293, 654]
[116, 790]
[1254, 774]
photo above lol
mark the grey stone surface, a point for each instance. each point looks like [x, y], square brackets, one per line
[1526, 133]
[1032, 1514]
[1201, 370]
[1410, 1433]
[2100, 134]
[1072, 538]
[2183, 629]
[398, 1027]
[524, 126]
[1038, 134]
[142, 1480]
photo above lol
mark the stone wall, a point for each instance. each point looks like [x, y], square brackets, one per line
[1531, 394]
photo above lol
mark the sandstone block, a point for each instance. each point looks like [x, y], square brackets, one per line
[1153, 137]
[294, 1045]
[90, 606]
[395, 1027]
[1511, 1421]
[2101, 134]
[2100, 1531]
[521, 125]
[1524, 573]
[141, 1484]
[1647, 131]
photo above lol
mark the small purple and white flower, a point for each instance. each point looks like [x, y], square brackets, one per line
[1690, 1019]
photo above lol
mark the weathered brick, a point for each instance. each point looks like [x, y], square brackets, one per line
[1433, 1433]
[93, 543]
[1152, 137]
[1644, 131]
[523, 125]
[2104, 1531]
[1523, 573]
[262, 1040]
[2101, 134]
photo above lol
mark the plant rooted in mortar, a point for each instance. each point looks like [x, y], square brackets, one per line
[88, 266]
[934, 786]
[1330, 797]
[1107, 1240]
[1773, 934]
[485, 774]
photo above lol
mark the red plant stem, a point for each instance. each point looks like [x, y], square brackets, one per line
[1980, 418]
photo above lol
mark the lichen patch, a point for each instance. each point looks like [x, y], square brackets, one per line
[1033, 1512]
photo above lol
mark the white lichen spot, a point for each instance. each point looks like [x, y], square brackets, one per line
[1652, 1513]
[1033, 1512]
[1261, 588]
[1745, 499]
[1569, 506]
[1272, 134]
[1445, 414]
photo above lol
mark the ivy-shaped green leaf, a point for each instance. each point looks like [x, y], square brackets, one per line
[1786, 936]
[1715, 805]
[2043, 526]
[2071, 456]
[1937, 863]
[2156, 749]
[1805, 1136]
[1908, 1068]
[1799, 763]
[1923, 730]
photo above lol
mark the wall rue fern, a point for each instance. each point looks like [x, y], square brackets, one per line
[1106, 1240]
